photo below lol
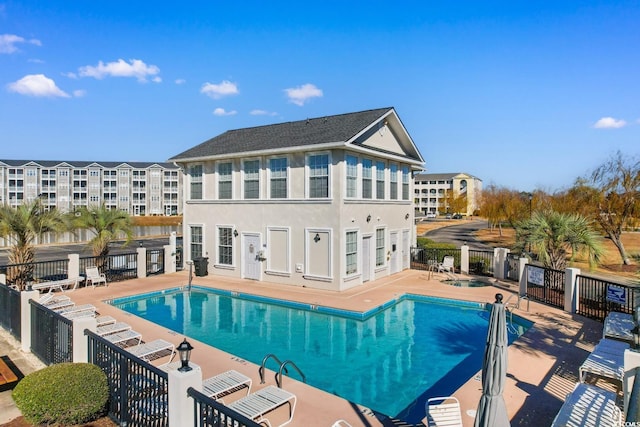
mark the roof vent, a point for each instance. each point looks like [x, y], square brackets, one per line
[307, 122]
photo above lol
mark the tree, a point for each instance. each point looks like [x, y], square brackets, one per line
[556, 237]
[617, 201]
[22, 226]
[106, 224]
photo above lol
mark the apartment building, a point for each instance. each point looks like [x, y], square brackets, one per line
[436, 192]
[139, 188]
[322, 203]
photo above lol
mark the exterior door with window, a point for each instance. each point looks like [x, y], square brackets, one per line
[251, 254]
[395, 251]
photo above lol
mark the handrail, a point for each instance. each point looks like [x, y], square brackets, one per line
[283, 366]
[264, 362]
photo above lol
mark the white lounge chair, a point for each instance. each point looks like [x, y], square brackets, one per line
[76, 308]
[446, 264]
[104, 320]
[589, 406]
[112, 328]
[59, 285]
[341, 423]
[619, 326]
[152, 350]
[256, 406]
[226, 383]
[443, 411]
[122, 338]
[50, 299]
[94, 277]
[605, 361]
[60, 305]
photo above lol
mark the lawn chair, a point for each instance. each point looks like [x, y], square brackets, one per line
[256, 406]
[152, 350]
[443, 411]
[95, 277]
[589, 406]
[446, 265]
[226, 384]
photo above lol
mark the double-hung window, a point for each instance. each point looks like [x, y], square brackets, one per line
[225, 171]
[225, 245]
[252, 179]
[380, 256]
[352, 176]
[380, 181]
[367, 179]
[393, 182]
[405, 183]
[196, 241]
[195, 180]
[351, 260]
[318, 176]
[278, 178]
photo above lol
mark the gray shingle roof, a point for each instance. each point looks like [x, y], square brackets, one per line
[84, 164]
[321, 130]
[440, 176]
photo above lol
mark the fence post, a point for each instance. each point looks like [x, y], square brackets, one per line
[181, 413]
[73, 270]
[500, 262]
[142, 262]
[571, 293]
[522, 264]
[25, 319]
[169, 259]
[3, 278]
[80, 340]
[464, 259]
[523, 277]
[631, 362]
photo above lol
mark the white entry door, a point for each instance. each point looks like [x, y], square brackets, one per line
[406, 250]
[251, 264]
[366, 258]
[395, 251]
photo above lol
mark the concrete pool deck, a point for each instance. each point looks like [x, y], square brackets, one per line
[542, 364]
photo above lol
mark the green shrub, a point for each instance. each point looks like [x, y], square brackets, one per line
[63, 394]
[425, 242]
[478, 265]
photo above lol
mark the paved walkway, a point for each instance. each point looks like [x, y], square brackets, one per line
[26, 362]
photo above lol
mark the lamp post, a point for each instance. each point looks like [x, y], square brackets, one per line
[184, 350]
[530, 204]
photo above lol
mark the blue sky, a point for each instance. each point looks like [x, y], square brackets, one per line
[522, 94]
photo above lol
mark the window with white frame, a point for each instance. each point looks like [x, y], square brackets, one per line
[318, 176]
[196, 241]
[251, 179]
[405, 183]
[225, 245]
[351, 252]
[380, 246]
[367, 179]
[225, 180]
[278, 170]
[393, 182]
[352, 176]
[195, 181]
[380, 180]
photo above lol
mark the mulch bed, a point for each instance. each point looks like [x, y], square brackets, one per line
[100, 422]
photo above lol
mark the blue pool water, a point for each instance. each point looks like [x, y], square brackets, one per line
[390, 359]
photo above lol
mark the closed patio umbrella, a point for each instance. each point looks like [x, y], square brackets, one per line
[492, 410]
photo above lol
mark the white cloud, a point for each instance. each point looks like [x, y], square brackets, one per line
[8, 42]
[157, 79]
[120, 68]
[217, 91]
[221, 112]
[263, 113]
[36, 85]
[301, 94]
[71, 75]
[35, 61]
[79, 93]
[180, 81]
[609, 123]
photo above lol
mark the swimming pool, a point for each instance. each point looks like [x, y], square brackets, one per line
[389, 359]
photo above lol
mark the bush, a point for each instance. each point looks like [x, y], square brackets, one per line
[424, 242]
[63, 394]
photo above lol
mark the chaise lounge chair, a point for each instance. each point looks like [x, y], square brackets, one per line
[443, 411]
[122, 338]
[76, 308]
[606, 361]
[152, 350]
[256, 406]
[94, 277]
[589, 406]
[226, 384]
[619, 326]
[112, 328]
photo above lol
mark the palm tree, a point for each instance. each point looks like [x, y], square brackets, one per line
[556, 237]
[22, 226]
[106, 224]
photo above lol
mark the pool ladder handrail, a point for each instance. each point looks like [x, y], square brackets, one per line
[284, 367]
[264, 362]
[517, 304]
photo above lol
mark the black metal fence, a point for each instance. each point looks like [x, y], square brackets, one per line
[51, 335]
[426, 258]
[155, 261]
[10, 310]
[545, 285]
[481, 262]
[513, 267]
[599, 297]
[35, 272]
[115, 267]
[209, 413]
[138, 391]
